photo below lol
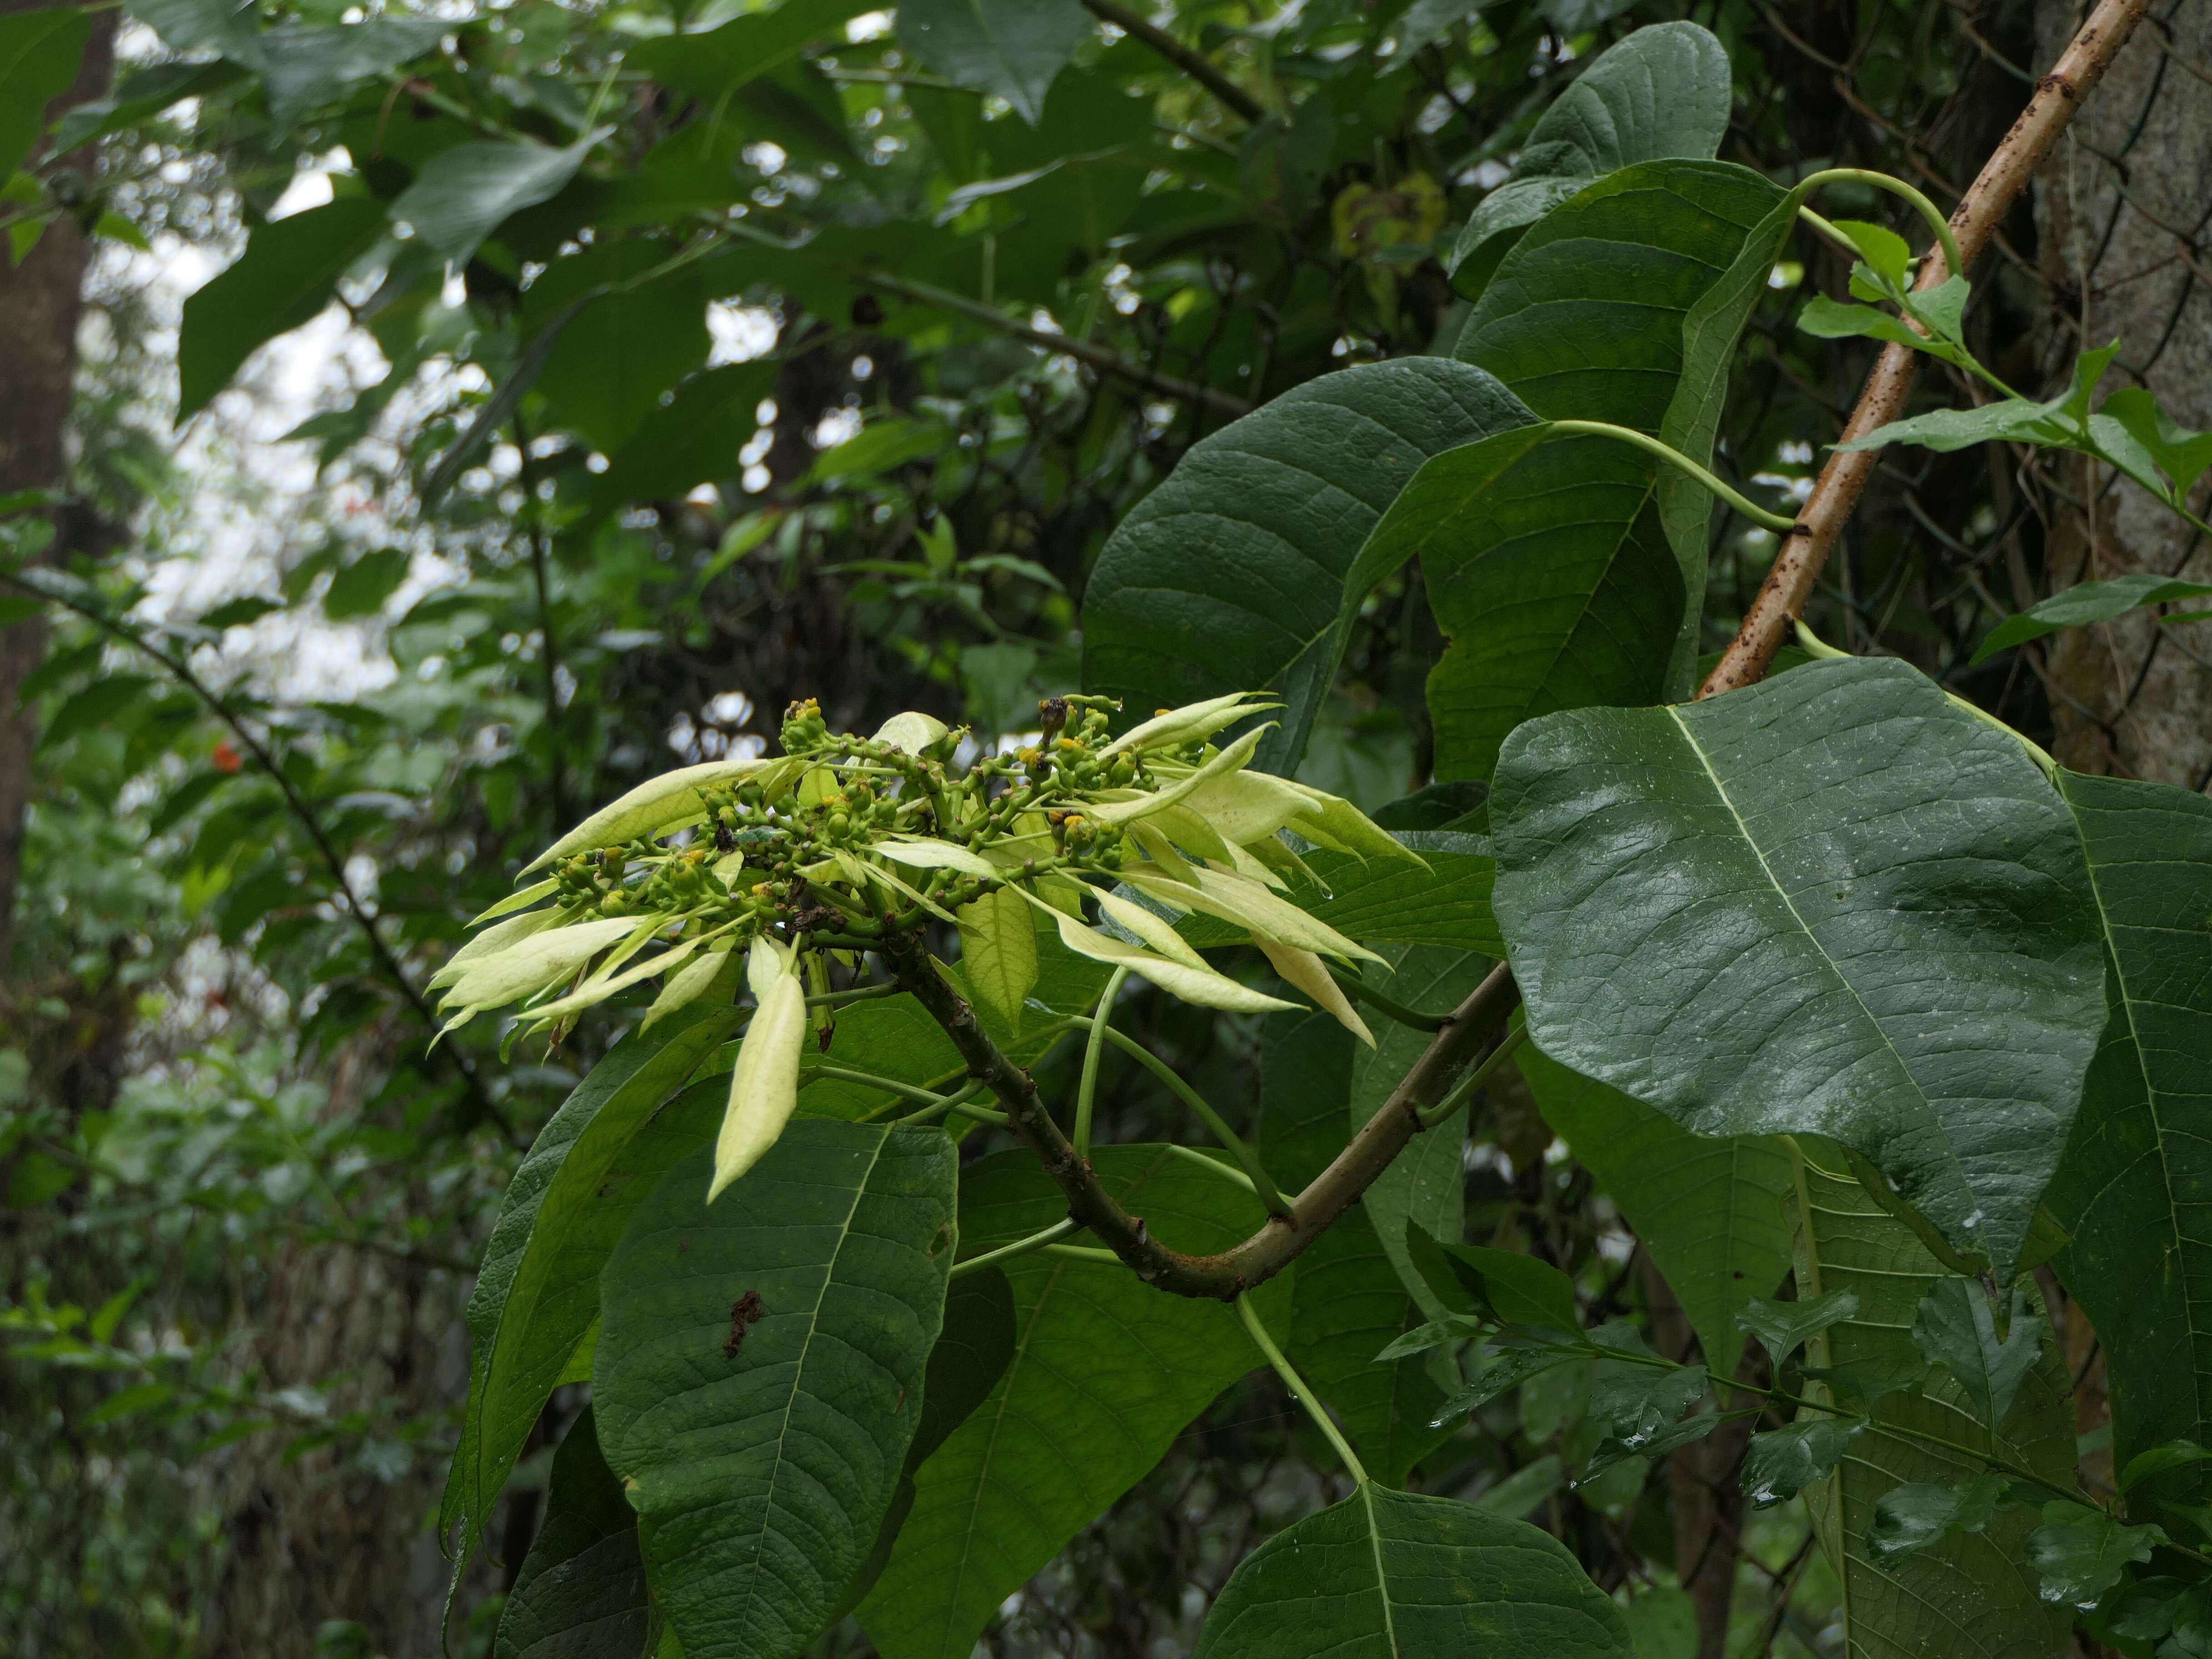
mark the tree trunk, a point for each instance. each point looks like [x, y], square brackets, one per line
[2125, 211]
[40, 302]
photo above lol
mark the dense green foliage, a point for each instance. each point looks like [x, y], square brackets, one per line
[1399, 368]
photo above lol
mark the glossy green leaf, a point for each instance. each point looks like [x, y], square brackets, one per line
[38, 56]
[1347, 1306]
[1782, 1463]
[1500, 1373]
[537, 1290]
[1707, 1208]
[1663, 91]
[1832, 901]
[581, 1592]
[2085, 603]
[1551, 570]
[464, 194]
[1956, 1327]
[1106, 1372]
[761, 1442]
[2130, 1188]
[1012, 48]
[284, 279]
[2081, 1552]
[1911, 1518]
[1426, 1187]
[1988, 1595]
[1245, 570]
[1393, 1575]
[1782, 1328]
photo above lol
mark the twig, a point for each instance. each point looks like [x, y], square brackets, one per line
[298, 805]
[1797, 567]
[1099, 358]
[1242, 102]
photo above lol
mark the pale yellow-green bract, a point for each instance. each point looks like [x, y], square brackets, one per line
[765, 1086]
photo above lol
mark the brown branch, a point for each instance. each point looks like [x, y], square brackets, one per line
[1239, 101]
[1268, 1252]
[1797, 567]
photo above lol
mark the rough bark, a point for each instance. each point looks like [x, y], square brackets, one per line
[40, 300]
[2124, 211]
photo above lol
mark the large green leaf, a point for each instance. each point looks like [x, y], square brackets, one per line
[1348, 1305]
[1106, 1372]
[537, 1290]
[615, 358]
[2132, 1188]
[39, 54]
[581, 1592]
[762, 1455]
[307, 64]
[1973, 1594]
[1233, 573]
[462, 194]
[1709, 1209]
[718, 60]
[1306, 1063]
[283, 279]
[1425, 1186]
[692, 439]
[1551, 566]
[1010, 47]
[1664, 91]
[1832, 902]
[1393, 1575]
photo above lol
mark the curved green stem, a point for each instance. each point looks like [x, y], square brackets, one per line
[858, 994]
[1083, 1253]
[1086, 1097]
[1263, 1184]
[1465, 1088]
[928, 1098]
[1360, 991]
[1954, 263]
[1675, 457]
[1036, 1240]
[1296, 1384]
[958, 1106]
[1212, 1165]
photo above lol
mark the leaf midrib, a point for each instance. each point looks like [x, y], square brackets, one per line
[1381, 1575]
[1767, 869]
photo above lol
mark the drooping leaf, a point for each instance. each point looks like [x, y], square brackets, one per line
[464, 194]
[1707, 1208]
[759, 1371]
[1636, 1400]
[1664, 91]
[1503, 1286]
[1554, 569]
[1507, 1368]
[1012, 48]
[1106, 1372]
[2181, 454]
[1831, 902]
[581, 1591]
[1347, 1305]
[1239, 571]
[1911, 1517]
[2081, 1552]
[39, 54]
[309, 65]
[1782, 1328]
[283, 279]
[998, 951]
[537, 1290]
[1426, 1187]
[1395, 1575]
[1988, 1593]
[2129, 1187]
[1956, 1327]
[2085, 603]
[1782, 1463]
[1614, 1450]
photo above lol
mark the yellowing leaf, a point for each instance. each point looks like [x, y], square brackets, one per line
[532, 965]
[1245, 806]
[922, 853]
[1336, 823]
[1228, 760]
[691, 983]
[910, 732]
[764, 1085]
[1246, 902]
[603, 985]
[1187, 724]
[1306, 971]
[1155, 930]
[654, 804]
[499, 937]
[998, 951]
[1200, 985]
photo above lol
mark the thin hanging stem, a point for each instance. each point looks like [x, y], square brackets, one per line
[1675, 457]
[1037, 1241]
[1296, 1384]
[1262, 1183]
[1945, 239]
[1461, 1091]
[1086, 1097]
